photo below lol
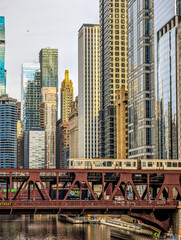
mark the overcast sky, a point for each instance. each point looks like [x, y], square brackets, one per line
[35, 24]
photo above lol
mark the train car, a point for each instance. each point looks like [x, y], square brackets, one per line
[103, 164]
[160, 164]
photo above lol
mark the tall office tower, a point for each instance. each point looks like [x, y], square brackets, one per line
[49, 98]
[34, 151]
[121, 135]
[31, 95]
[73, 129]
[49, 67]
[2, 57]
[8, 132]
[88, 90]
[64, 144]
[113, 69]
[66, 97]
[167, 16]
[141, 79]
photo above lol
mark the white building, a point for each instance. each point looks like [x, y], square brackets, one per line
[88, 91]
[34, 148]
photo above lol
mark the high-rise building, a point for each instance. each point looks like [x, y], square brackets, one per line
[73, 129]
[31, 95]
[8, 132]
[113, 69]
[49, 98]
[141, 79]
[2, 57]
[66, 97]
[49, 67]
[88, 90]
[64, 144]
[167, 18]
[121, 134]
[19, 137]
[34, 150]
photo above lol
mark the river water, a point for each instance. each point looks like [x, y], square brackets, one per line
[48, 228]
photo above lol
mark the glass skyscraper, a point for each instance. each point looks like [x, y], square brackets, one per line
[31, 95]
[2, 57]
[141, 79]
[8, 132]
[49, 67]
[167, 19]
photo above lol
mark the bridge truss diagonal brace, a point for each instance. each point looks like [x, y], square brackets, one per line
[34, 177]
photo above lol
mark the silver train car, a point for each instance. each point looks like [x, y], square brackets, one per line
[130, 164]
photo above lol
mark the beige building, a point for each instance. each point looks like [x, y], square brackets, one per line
[49, 97]
[121, 135]
[88, 90]
[73, 129]
[113, 69]
[19, 144]
[66, 97]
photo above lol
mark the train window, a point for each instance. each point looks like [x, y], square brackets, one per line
[150, 164]
[168, 164]
[179, 164]
[134, 164]
[120, 164]
[157, 164]
[128, 164]
[104, 164]
[117, 164]
[109, 164]
[174, 164]
[161, 164]
[72, 163]
[144, 164]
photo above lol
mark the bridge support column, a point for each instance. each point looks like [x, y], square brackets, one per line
[176, 220]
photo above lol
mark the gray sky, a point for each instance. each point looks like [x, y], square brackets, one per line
[35, 24]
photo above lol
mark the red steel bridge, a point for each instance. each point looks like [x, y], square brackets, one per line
[152, 196]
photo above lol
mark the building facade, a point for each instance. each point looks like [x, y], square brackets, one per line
[64, 144]
[167, 83]
[113, 69]
[66, 97]
[49, 98]
[8, 132]
[34, 151]
[19, 144]
[73, 129]
[141, 79]
[31, 95]
[2, 57]
[88, 90]
[121, 134]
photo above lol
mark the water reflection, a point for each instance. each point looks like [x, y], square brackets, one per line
[48, 228]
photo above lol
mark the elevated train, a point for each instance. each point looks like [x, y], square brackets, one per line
[129, 164]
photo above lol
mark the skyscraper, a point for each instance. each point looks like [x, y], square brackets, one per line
[31, 95]
[88, 90]
[19, 137]
[66, 97]
[113, 69]
[49, 80]
[34, 150]
[49, 97]
[8, 132]
[49, 67]
[64, 144]
[167, 83]
[141, 79]
[2, 57]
